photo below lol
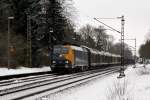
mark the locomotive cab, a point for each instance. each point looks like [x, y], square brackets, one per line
[69, 57]
[62, 57]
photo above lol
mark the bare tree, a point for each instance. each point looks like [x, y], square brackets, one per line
[145, 48]
[127, 52]
[147, 36]
[101, 38]
[87, 34]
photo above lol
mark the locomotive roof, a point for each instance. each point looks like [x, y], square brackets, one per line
[73, 47]
[78, 48]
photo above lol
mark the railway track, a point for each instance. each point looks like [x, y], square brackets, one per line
[8, 77]
[24, 79]
[36, 87]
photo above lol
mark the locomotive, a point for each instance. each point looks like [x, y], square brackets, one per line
[81, 58]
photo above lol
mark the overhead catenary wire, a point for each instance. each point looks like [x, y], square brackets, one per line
[107, 25]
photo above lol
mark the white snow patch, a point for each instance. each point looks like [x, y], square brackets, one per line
[137, 87]
[21, 70]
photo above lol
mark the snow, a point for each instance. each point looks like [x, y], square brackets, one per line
[21, 70]
[135, 86]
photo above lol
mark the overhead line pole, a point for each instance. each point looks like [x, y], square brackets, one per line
[122, 48]
[8, 41]
[29, 41]
[122, 42]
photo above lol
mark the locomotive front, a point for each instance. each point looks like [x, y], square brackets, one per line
[62, 57]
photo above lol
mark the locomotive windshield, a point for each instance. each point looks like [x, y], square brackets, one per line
[60, 50]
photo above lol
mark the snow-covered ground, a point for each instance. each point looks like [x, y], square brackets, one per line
[21, 70]
[135, 86]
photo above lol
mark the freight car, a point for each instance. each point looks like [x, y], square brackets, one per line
[80, 58]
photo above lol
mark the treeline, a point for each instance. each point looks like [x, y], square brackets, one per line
[144, 50]
[97, 37]
[49, 19]
[50, 22]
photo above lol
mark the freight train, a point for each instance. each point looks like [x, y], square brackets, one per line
[80, 58]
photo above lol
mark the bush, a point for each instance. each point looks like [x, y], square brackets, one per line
[144, 71]
[118, 91]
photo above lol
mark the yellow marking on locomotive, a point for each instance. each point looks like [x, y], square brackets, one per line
[70, 54]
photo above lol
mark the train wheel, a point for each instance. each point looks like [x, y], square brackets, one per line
[83, 68]
[86, 68]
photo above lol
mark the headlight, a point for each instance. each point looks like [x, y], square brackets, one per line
[66, 66]
[60, 55]
[66, 62]
[53, 62]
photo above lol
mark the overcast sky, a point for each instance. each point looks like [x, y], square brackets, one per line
[136, 13]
